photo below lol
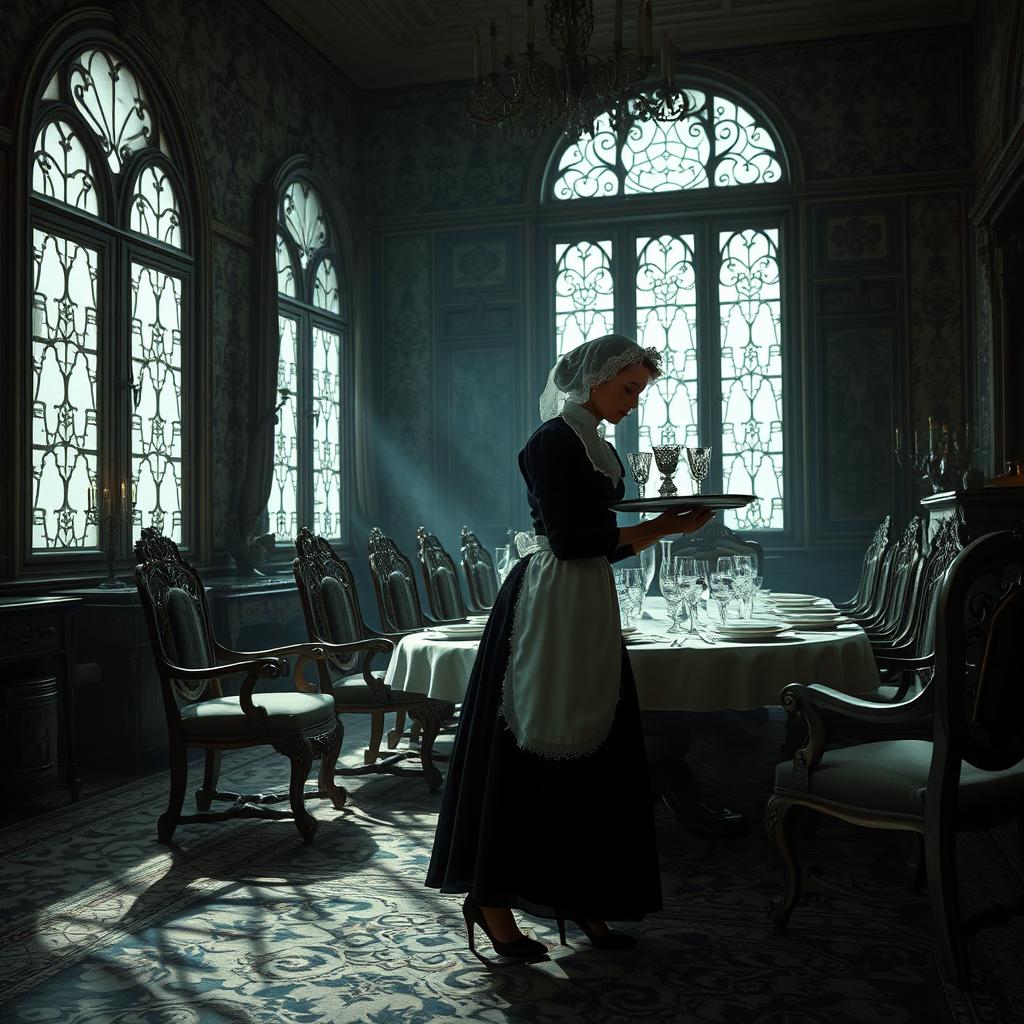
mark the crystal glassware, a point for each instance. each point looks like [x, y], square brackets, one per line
[671, 591]
[666, 457]
[640, 470]
[721, 593]
[699, 460]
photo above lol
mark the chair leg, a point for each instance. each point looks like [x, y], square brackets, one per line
[414, 732]
[395, 736]
[176, 798]
[428, 720]
[204, 796]
[330, 747]
[781, 824]
[299, 752]
[940, 852]
[372, 752]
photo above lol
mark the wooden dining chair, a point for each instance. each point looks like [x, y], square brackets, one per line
[967, 775]
[440, 580]
[191, 664]
[330, 605]
[715, 540]
[861, 600]
[394, 585]
[482, 582]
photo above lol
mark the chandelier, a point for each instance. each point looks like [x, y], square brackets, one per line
[525, 93]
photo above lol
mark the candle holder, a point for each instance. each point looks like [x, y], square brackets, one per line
[947, 466]
[111, 522]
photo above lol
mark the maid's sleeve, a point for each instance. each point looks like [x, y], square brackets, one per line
[556, 468]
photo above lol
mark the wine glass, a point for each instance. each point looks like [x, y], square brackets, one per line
[699, 460]
[721, 587]
[640, 470]
[670, 590]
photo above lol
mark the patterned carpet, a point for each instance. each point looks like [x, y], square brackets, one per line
[241, 922]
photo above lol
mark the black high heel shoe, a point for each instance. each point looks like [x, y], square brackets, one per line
[522, 948]
[605, 940]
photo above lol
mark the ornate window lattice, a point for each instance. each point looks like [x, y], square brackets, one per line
[107, 411]
[308, 440]
[708, 298]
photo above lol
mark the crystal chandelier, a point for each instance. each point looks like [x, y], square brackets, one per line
[525, 94]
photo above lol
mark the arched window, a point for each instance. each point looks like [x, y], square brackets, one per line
[111, 282]
[678, 242]
[307, 486]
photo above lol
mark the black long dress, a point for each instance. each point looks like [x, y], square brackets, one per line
[571, 836]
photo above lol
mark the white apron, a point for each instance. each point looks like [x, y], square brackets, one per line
[562, 683]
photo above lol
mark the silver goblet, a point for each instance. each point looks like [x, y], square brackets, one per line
[699, 460]
[640, 469]
[666, 457]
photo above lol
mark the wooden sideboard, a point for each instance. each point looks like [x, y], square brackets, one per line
[38, 659]
[983, 510]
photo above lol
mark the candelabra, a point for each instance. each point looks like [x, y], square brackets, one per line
[111, 517]
[947, 464]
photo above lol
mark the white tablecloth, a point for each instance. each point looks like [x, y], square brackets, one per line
[696, 676]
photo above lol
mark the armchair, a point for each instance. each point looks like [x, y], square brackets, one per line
[331, 608]
[439, 578]
[191, 664]
[968, 775]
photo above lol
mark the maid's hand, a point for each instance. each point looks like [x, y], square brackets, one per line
[689, 521]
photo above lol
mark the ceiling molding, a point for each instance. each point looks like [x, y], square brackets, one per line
[409, 42]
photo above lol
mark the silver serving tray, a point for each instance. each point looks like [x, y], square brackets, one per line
[681, 502]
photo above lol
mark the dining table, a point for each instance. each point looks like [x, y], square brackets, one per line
[674, 671]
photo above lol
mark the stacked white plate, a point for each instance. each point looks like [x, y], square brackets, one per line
[457, 631]
[800, 601]
[477, 618]
[814, 618]
[751, 629]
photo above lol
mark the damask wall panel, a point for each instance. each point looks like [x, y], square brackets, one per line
[231, 329]
[426, 156]
[480, 262]
[992, 42]
[479, 442]
[890, 104]
[937, 309]
[984, 375]
[405, 434]
[857, 238]
[858, 398]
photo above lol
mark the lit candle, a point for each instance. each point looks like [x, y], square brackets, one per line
[529, 24]
[618, 24]
[897, 439]
[915, 443]
[476, 55]
[508, 30]
[106, 499]
[494, 47]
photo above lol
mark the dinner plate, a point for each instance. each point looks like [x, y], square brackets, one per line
[458, 634]
[809, 627]
[795, 597]
[628, 630]
[753, 633]
[682, 502]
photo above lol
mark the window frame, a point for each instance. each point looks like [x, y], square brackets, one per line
[703, 212]
[116, 245]
[308, 316]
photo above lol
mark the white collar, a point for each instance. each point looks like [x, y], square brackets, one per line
[583, 424]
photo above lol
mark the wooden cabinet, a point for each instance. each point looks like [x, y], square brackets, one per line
[37, 695]
[984, 510]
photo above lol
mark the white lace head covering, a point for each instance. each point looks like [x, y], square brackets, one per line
[569, 384]
[588, 365]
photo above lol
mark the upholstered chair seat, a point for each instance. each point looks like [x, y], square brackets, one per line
[891, 777]
[285, 712]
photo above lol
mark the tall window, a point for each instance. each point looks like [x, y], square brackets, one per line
[703, 287]
[111, 281]
[308, 439]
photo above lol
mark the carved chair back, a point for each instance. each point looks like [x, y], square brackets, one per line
[478, 566]
[979, 685]
[899, 569]
[439, 578]
[944, 549]
[716, 540]
[871, 569]
[394, 584]
[330, 603]
[174, 602]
